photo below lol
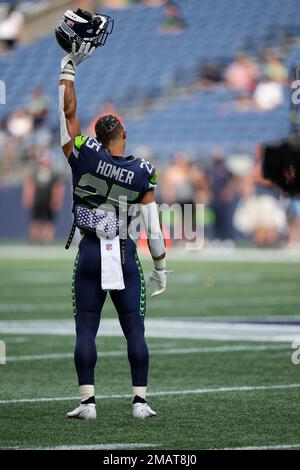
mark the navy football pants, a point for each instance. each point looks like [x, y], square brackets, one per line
[88, 300]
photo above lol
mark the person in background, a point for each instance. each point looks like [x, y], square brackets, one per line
[150, 3]
[268, 95]
[20, 123]
[222, 192]
[178, 187]
[275, 70]
[177, 181]
[242, 74]
[11, 27]
[4, 137]
[173, 21]
[210, 74]
[260, 213]
[43, 196]
[38, 107]
[293, 214]
[88, 5]
[116, 3]
[18, 128]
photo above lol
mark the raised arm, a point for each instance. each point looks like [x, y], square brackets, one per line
[69, 122]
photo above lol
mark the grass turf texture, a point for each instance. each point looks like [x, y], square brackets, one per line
[191, 421]
[42, 290]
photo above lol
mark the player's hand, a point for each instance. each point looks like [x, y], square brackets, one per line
[84, 52]
[159, 279]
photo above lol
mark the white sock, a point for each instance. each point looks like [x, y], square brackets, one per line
[86, 391]
[140, 392]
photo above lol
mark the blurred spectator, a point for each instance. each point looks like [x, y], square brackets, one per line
[294, 222]
[210, 74]
[124, 3]
[275, 70]
[116, 3]
[4, 142]
[43, 195]
[173, 21]
[242, 74]
[88, 5]
[151, 3]
[20, 123]
[3, 134]
[239, 165]
[260, 213]
[223, 191]
[268, 95]
[179, 184]
[200, 183]
[11, 27]
[38, 109]
[39, 106]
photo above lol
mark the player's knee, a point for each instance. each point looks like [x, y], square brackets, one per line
[87, 323]
[132, 324]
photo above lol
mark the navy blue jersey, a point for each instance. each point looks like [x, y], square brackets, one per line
[99, 178]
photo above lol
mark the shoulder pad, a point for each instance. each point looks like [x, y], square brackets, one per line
[154, 178]
[79, 141]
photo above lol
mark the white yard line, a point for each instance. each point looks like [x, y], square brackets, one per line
[241, 302]
[266, 447]
[213, 253]
[167, 351]
[196, 391]
[33, 280]
[139, 445]
[113, 446]
[164, 328]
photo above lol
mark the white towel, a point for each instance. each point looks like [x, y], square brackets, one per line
[111, 267]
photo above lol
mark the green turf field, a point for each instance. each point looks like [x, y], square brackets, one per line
[208, 392]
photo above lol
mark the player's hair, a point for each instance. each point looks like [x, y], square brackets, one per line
[108, 128]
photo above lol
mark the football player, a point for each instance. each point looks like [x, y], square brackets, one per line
[103, 175]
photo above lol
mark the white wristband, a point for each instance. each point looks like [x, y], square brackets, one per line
[64, 76]
[68, 72]
[160, 265]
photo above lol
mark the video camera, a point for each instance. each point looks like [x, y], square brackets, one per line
[281, 164]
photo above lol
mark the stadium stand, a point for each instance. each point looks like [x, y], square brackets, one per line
[140, 53]
[25, 4]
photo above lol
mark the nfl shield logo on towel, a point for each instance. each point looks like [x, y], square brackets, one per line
[109, 247]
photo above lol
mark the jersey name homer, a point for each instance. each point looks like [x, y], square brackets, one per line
[112, 171]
